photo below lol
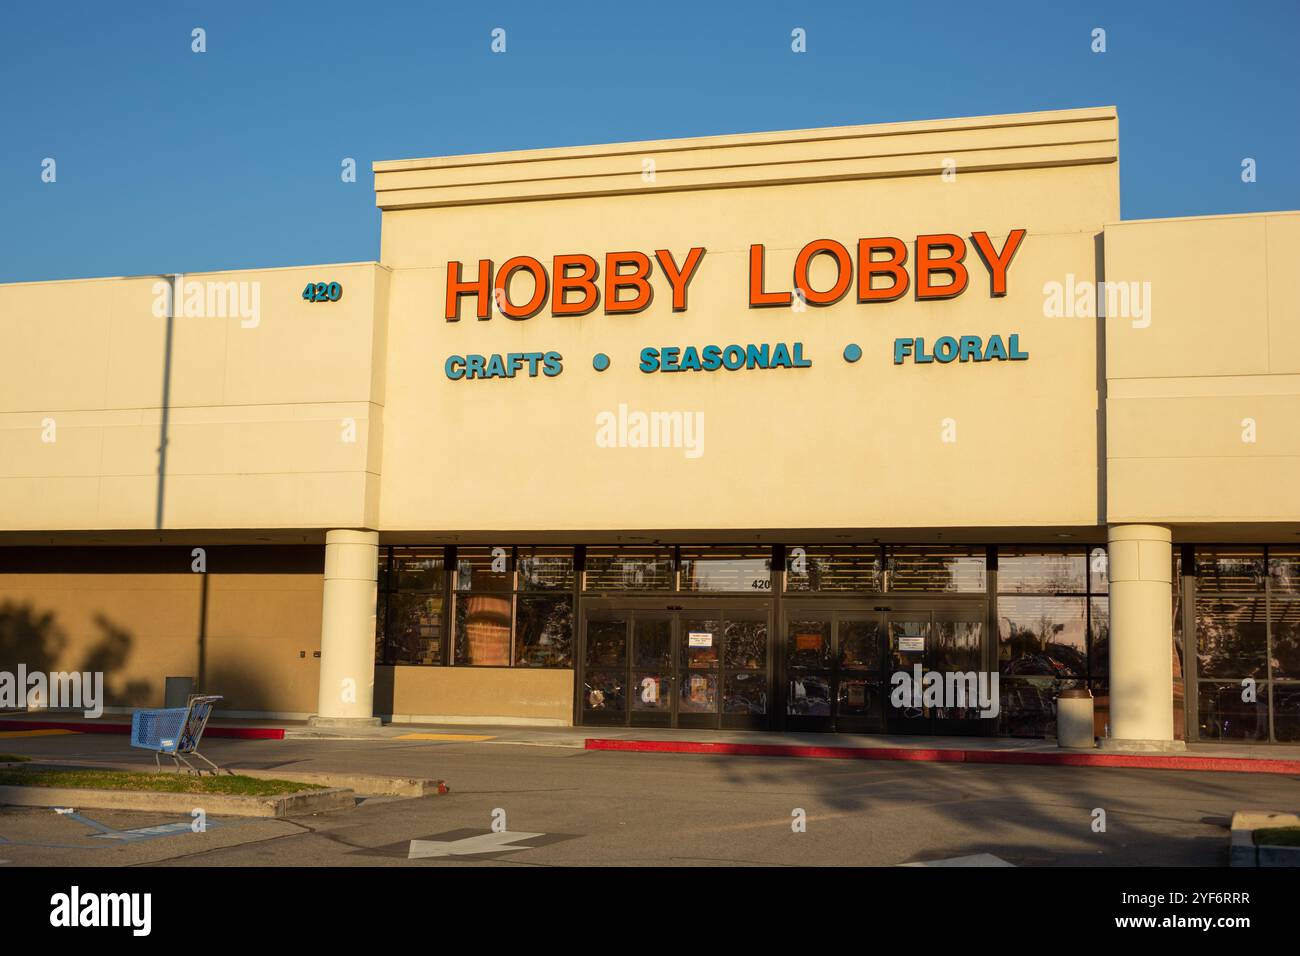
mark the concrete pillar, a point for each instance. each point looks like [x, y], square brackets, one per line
[1141, 639]
[347, 640]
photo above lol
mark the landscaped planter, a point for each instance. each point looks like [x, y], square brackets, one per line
[1245, 851]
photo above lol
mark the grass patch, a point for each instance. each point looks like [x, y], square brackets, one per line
[13, 758]
[166, 782]
[1278, 836]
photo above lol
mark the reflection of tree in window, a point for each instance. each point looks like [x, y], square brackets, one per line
[1230, 637]
[545, 626]
[746, 644]
[1042, 636]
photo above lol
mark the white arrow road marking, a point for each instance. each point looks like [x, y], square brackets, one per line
[468, 846]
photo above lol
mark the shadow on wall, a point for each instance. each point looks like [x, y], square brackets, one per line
[242, 689]
[34, 639]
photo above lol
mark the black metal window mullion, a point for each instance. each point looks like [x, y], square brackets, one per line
[451, 559]
[387, 600]
[1268, 641]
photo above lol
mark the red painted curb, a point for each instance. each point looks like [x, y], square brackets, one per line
[1142, 761]
[95, 727]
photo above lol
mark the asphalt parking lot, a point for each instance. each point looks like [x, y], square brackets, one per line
[564, 806]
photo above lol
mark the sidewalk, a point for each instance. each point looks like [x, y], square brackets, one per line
[1240, 758]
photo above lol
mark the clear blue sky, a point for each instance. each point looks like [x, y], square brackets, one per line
[174, 161]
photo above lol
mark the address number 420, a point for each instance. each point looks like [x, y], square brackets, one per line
[322, 292]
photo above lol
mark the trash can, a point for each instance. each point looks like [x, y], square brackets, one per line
[178, 691]
[1074, 719]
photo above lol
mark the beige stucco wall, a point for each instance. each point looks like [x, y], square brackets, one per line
[835, 445]
[141, 615]
[505, 695]
[256, 404]
[1219, 357]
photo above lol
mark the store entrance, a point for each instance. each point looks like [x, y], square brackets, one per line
[696, 664]
[840, 661]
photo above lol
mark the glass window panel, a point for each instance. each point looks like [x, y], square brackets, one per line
[1042, 636]
[725, 569]
[1041, 572]
[544, 630]
[935, 568]
[383, 582]
[628, 569]
[962, 686]
[699, 692]
[1099, 639]
[483, 630]
[606, 643]
[1229, 570]
[1285, 630]
[652, 639]
[860, 696]
[1223, 715]
[1098, 570]
[908, 642]
[833, 569]
[809, 643]
[701, 642]
[745, 693]
[810, 695]
[483, 569]
[1286, 712]
[652, 691]
[414, 633]
[860, 644]
[1284, 570]
[418, 569]
[604, 691]
[745, 645]
[1230, 637]
[956, 646]
[1027, 706]
[545, 569]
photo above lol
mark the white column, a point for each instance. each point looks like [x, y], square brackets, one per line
[1141, 639]
[347, 640]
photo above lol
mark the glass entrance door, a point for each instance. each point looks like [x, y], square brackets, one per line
[833, 671]
[840, 665]
[652, 670]
[707, 667]
[947, 643]
[908, 642]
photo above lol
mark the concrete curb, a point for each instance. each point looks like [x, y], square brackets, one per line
[367, 784]
[949, 755]
[220, 805]
[1242, 850]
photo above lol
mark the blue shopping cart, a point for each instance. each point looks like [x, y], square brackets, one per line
[175, 731]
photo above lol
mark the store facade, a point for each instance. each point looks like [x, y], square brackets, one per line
[724, 432]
